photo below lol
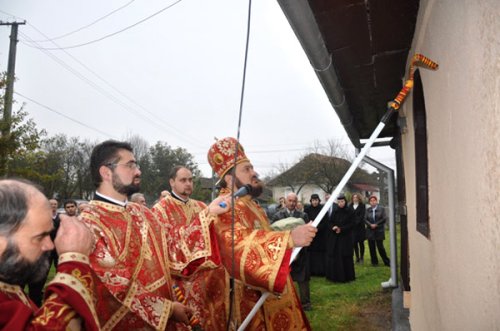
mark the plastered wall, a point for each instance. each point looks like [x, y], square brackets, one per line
[455, 274]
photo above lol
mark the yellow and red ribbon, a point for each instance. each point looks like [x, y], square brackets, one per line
[193, 321]
[418, 59]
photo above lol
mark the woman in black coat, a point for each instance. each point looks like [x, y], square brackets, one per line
[317, 247]
[359, 234]
[339, 244]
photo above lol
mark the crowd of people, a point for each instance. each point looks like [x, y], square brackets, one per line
[339, 241]
[122, 266]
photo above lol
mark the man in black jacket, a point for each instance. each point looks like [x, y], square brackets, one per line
[375, 219]
[300, 267]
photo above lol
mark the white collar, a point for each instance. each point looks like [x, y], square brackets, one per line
[180, 198]
[118, 202]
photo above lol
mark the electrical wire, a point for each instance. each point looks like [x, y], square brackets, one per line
[182, 135]
[114, 33]
[65, 116]
[233, 172]
[88, 25]
[155, 121]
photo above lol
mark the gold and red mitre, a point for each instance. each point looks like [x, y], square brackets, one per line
[221, 155]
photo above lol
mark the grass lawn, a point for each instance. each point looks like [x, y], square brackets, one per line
[359, 305]
[351, 306]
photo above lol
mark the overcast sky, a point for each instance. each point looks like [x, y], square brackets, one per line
[175, 77]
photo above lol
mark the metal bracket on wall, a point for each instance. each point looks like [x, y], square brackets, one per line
[402, 124]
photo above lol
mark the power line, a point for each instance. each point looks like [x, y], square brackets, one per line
[155, 121]
[88, 25]
[114, 33]
[177, 132]
[65, 116]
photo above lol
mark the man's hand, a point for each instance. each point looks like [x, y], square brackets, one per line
[181, 313]
[220, 205]
[302, 235]
[73, 236]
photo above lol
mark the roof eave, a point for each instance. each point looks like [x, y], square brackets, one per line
[303, 23]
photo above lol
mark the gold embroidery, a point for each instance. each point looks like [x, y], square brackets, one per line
[246, 250]
[117, 317]
[15, 290]
[80, 286]
[51, 309]
[45, 316]
[275, 248]
[194, 222]
[105, 259]
[73, 257]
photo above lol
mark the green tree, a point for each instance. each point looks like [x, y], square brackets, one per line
[19, 141]
[68, 160]
[157, 165]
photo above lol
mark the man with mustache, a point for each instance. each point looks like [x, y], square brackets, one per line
[194, 261]
[130, 259]
[25, 248]
[261, 256]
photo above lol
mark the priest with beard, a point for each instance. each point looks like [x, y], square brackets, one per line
[130, 260]
[255, 256]
[25, 249]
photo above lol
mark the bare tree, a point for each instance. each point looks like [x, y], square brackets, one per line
[140, 146]
[296, 176]
[323, 165]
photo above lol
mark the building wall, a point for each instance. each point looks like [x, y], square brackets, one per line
[455, 274]
[304, 195]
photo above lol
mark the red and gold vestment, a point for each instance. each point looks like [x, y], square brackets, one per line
[69, 300]
[131, 263]
[194, 260]
[261, 258]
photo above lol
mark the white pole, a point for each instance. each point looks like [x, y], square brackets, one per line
[322, 213]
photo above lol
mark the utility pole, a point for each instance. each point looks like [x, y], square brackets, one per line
[9, 90]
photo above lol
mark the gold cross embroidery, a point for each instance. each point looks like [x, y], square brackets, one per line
[274, 248]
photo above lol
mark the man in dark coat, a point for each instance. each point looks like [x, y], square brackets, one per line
[317, 248]
[375, 219]
[300, 267]
[339, 245]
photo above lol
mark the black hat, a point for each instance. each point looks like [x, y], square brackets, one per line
[341, 197]
[315, 196]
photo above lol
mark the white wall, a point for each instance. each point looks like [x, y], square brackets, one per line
[455, 275]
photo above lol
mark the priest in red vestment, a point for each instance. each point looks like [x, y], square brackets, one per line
[261, 256]
[193, 255]
[134, 289]
[25, 248]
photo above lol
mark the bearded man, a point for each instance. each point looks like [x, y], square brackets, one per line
[257, 257]
[194, 260]
[25, 248]
[130, 259]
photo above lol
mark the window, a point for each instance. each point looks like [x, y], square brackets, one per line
[421, 162]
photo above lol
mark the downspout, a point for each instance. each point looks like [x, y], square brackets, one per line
[393, 281]
[303, 23]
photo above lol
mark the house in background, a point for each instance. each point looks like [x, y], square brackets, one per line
[317, 173]
[446, 138]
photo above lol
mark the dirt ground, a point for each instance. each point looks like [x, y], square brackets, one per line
[375, 314]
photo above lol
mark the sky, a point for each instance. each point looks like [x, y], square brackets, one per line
[172, 71]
